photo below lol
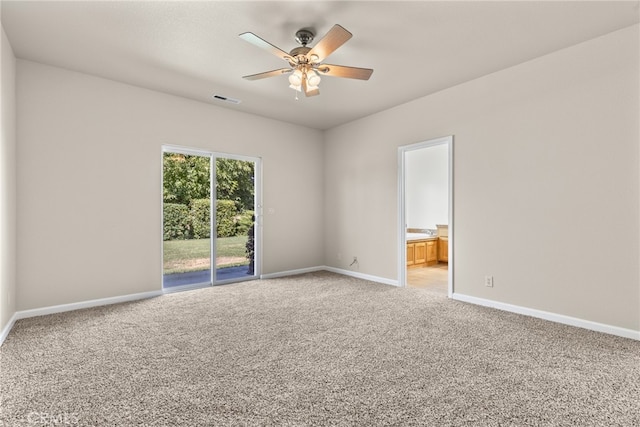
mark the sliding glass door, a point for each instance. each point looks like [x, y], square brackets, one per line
[199, 248]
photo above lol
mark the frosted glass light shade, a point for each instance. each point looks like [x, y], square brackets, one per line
[313, 79]
[296, 78]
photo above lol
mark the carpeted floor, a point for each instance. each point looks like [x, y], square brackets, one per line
[315, 349]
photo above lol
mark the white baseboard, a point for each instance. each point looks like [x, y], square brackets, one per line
[85, 304]
[362, 276]
[291, 272]
[333, 270]
[553, 317]
[7, 328]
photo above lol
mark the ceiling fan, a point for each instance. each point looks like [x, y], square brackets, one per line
[305, 63]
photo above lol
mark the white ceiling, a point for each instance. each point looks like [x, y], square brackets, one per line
[192, 49]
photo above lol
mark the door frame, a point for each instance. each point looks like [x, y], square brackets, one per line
[257, 172]
[402, 214]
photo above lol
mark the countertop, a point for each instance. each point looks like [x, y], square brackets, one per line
[420, 236]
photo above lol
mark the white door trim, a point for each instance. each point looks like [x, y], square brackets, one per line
[402, 218]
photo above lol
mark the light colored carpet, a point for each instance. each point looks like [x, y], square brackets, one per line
[315, 349]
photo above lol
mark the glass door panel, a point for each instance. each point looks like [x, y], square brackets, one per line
[235, 245]
[186, 219]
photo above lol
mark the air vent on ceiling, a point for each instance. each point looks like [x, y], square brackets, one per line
[226, 99]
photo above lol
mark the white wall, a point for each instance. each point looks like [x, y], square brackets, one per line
[427, 186]
[7, 184]
[546, 183]
[89, 183]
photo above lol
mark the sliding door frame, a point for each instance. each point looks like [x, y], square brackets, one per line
[257, 173]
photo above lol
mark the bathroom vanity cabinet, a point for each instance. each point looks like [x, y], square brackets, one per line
[422, 253]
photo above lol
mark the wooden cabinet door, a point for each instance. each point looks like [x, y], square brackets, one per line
[432, 251]
[421, 253]
[411, 253]
[443, 250]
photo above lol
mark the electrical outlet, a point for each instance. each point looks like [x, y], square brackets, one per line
[488, 281]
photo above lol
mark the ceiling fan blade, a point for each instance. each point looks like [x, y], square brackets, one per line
[342, 71]
[336, 37]
[263, 44]
[268, 74]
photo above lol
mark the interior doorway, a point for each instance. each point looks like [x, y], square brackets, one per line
[426, 215]
[201, 248]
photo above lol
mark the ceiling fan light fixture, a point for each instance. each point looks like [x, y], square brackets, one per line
[296, 78]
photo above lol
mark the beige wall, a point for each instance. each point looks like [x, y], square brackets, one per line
[89, 183]
[545, 179]
[546, 183]
[7, 184]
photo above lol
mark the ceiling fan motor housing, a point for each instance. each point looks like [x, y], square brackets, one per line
[299, 54]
